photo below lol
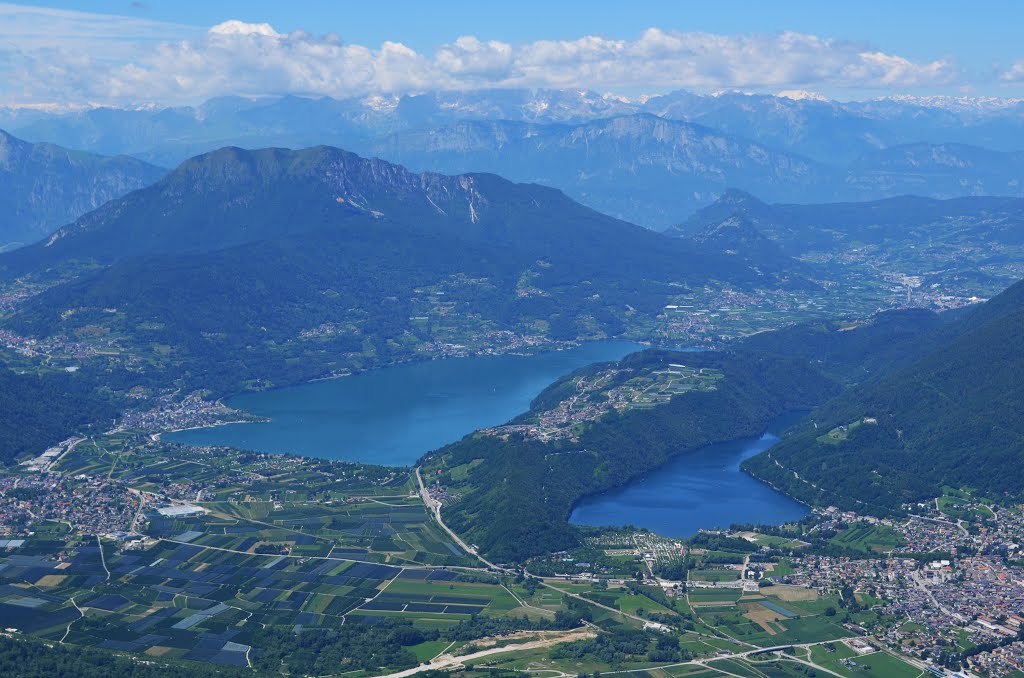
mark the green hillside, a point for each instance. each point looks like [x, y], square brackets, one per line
[39, 411]
[518, 492]
[950, 418]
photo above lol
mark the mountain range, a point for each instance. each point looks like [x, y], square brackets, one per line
[640, 167]
[800, 229]
[252, 268]
[650, 160]
[812, 126]
[968, 247]
[277, 264]
[46, 186]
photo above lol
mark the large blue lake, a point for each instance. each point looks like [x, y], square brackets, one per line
[394, 415]
[700, 489]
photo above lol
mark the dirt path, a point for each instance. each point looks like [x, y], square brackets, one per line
[447, 661]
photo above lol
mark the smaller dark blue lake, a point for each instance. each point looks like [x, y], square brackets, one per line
[700, 489]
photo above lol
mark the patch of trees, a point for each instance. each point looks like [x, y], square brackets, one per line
[350, 647]
[482, 626]
[612, 648]
[676, 569]
[38, 411]
[711, 541]
[30, 658]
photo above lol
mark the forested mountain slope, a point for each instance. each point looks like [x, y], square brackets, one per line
[944, 391]
[950, 418]
[41, 410]
[518, 492]
[280, 265]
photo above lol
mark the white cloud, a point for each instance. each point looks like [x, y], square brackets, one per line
[236, 27]
[52, 55]
[1014, 74]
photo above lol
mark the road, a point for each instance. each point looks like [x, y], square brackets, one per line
[103, 558]
[435, 508]
[448, 661]
[139, 514]
[920, 583]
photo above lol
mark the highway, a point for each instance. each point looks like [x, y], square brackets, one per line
[435, 508]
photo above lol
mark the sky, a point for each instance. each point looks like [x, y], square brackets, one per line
[117, 52]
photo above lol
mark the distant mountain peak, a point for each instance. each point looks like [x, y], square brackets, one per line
[802, 95]
[733, 203]
[736, 235]
[737, 196]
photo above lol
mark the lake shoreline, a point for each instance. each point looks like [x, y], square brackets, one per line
[159, 434]
[639, 501]
[393, 416]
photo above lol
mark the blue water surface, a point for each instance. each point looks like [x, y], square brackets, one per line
[392, 416]
[700, 489]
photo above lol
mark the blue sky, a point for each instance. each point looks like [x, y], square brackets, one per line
[116, 50]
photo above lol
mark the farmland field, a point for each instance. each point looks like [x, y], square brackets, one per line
[867, 538]
[282, 544]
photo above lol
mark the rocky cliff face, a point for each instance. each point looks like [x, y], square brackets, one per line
[46, 186]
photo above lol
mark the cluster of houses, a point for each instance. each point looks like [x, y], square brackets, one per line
[976, 595]
[169, 414]
[51, 346]
[88, 504]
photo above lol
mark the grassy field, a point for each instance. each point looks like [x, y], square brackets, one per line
[765, 621]
[633, 603]
[867, 538]
[963, 505]
[772, 541]
[705, 596]
[713, 575]
[874, 665]
[441, 601]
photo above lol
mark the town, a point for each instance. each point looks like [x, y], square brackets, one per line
[593, 396]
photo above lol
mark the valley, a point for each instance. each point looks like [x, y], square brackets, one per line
[323, 543]
[569, 438]
[539, 341]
